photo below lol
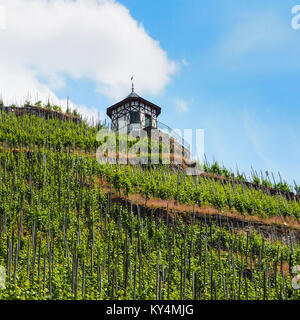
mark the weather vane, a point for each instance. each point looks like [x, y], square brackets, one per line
[132, 84]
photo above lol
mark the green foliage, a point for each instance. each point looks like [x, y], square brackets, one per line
[61, 237]
[256, 180]
[38, 104]
[240, 177]
[165, 184]
[71, 242]
[266, 183]
[215, 168]
[27, 103]
[282, 186]
[28, 131]
[57, 108]
[48, 106]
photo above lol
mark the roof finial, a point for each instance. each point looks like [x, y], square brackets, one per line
[132, 84]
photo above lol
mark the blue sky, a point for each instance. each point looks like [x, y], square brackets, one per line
[241, 81]
[229, 67]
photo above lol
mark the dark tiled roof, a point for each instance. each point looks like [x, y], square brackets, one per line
[133, 97]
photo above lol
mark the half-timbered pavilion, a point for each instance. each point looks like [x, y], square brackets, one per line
[133, 113]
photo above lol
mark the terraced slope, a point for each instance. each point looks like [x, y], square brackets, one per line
[63, 237]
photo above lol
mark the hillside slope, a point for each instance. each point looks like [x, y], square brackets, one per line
[62, 236]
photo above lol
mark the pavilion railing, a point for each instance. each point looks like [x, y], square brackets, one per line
[162, 127]
[171, 132]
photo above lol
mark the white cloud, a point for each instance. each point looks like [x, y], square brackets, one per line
[84, 39]
[181, 105]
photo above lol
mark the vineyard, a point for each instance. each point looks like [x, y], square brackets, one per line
[62, 236]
